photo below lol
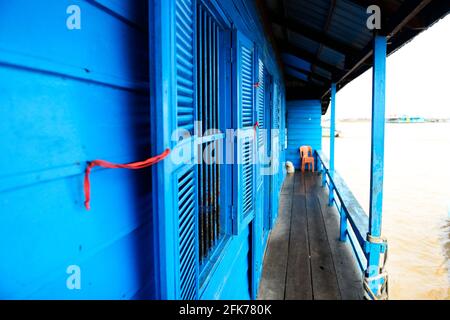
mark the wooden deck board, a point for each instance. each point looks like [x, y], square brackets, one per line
[273, 280]
[298, 279]
[288, 185]
[348, 274]
[304, 258]
[299, 184]
[323, 273]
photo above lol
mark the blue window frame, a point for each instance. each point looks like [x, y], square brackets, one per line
[213, 116]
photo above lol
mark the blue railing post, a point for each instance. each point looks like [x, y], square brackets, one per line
[332, 130]
[343, 224]
[374, 247]
[324, 176]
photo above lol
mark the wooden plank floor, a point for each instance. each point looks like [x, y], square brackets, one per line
[304, 258]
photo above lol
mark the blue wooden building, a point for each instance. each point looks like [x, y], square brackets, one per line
[224, 92]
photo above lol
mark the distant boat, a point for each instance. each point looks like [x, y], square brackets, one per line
[405, 119]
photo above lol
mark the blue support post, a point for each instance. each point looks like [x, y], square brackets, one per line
[332, 129]
[374, 245]
[332, 125]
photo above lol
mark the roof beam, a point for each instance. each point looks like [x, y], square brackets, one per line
[296, 73]
[325, 29]
[406, 13]
[284, 15]
[314, 35]
[308, 73]
[295, 61]
[309, 57]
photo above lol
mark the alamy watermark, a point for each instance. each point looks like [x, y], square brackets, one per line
[73, 281]
[374, 20]
[234, 146]
[73, 21]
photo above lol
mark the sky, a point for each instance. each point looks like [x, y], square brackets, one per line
[417, 80]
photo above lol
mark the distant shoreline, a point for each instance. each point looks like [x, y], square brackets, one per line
[426, 120]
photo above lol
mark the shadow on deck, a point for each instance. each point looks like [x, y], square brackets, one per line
[305, 259]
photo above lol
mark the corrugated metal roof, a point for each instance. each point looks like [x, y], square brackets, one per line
[303, 43]
[332, 56]
[311, 13]
[332, 35]
[322, 72]
[348, 24]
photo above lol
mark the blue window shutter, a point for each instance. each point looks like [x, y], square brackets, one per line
[185, 27]
[244, 120]
[261, 97]
[187, 235]
[186, 181]
[276, 115]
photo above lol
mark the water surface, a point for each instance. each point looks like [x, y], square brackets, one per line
[416, 208]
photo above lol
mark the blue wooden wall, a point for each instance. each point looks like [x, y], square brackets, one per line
[304, 127]
[69, 96]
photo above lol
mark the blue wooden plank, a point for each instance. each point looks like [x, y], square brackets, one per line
[70, 53]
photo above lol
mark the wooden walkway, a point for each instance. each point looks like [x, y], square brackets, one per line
[304, 258]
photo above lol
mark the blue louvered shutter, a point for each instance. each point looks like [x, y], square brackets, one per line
[187, 235]
[186, 184]
[245, 120]
[261, 99]
[276, 106]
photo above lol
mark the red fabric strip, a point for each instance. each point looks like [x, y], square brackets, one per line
[255, 126]
[105, 164]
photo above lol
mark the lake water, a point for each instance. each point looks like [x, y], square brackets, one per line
[416, 207]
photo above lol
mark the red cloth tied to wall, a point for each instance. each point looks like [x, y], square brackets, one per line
[105, 164]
